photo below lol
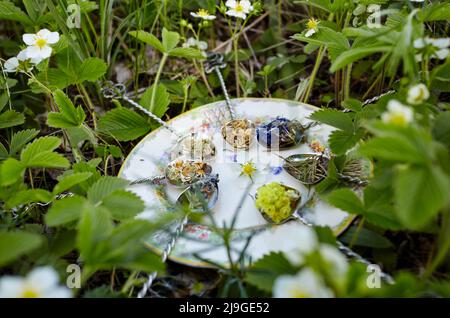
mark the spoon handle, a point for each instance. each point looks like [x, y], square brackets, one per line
[350, 253]
[215, 63]
[151, 277]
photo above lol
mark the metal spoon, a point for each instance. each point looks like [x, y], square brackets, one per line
[238, 132]
[201, 197]
[296, 213]
[193, 145]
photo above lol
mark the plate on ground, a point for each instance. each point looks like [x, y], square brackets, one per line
[199, 241]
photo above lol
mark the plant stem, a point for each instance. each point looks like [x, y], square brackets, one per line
[319, 58]
[236, 66]
[155, 84]
[83, 91]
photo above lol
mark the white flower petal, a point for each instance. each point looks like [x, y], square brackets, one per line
[29, 39]
[246, 6]
[22, 56]
[307, 242]
[417, 94]
[11, 286]
[44, 34]
[43, 278]
[441, 43]
[46, 51]
[231, 3]
[419, 43]
[336, 260]
[33, 52]
[310, 32]
[306, 284]
[58, 292]
[53, 38]
[11, 65]
[442, 54]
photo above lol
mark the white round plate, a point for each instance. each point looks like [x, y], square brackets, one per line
[200, 242]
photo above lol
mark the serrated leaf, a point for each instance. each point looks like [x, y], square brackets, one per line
[123, 124]
[420, 193]
[341, 141]
[20, 139]
[3, 152]
[104, 187]
[123, 204]
[8, 11]
[92, 69]
[149, 39]
[169, 40]
[356, 54]
[345, 199]
[68, 181]
[29, 196]
[11, 118]
[162, 100]
[39, 154]
[94, 227]
[69, 116]
[11, 170]
[15, 244]
[265, 271]
[335, 118]
[65, 211]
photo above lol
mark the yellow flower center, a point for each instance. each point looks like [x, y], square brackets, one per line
[312, 24]
[398, 119]
[41, 43]
[202, 13]
[248, 169]
[298, 293]
[30, 292]
[239, 8]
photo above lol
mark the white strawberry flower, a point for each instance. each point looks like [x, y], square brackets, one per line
[203, 14]
[440, 47]
[238, 9]
[312, 27]
[417, 94]
[305, 284]
[309, 243]
[41, 282]
[397, 114]
[336, 262]
[19, 63]
[39, 43]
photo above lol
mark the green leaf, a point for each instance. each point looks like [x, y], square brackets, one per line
[149, 39]
[3, 152]
[420, 193]
[341, 141]
[65, 211]
[187, 53]
[392, 148]
[39, 154]
[104, 187]
[364, 237]
[20, 139]
[11, 170]
[69, 116]
[11, 118]
[92, 69]
[345, 199]
[265, 271]
[352, 104]
[169, 40]
[29, 196]
[162, 100]
[356, 54]
[8, 11]
[440, 77]
[123, 124]
[123, 204]
[441, 128]
[335, 118]
[68, 181]
[15, 244]
[94, 227]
